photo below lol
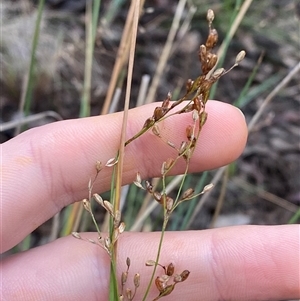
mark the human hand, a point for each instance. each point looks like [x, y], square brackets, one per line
[47, 168]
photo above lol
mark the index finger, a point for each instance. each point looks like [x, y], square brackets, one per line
[47, 168]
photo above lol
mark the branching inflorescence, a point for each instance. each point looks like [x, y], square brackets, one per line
[193, 102]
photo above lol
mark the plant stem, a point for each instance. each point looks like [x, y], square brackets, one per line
[28, 93]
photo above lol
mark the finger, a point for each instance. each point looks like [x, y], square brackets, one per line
[237, 263]
[47, 168]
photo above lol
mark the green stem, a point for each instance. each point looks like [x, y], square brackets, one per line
[35, 40]
[166, 219]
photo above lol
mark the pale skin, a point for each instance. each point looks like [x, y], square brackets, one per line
[47, 168]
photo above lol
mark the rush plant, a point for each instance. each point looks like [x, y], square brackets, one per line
[193, 103]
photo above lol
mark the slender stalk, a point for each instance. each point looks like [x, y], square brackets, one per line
[26, 96]
[113, 293]
[92, 14]
[126, 108]
[166, 51]
[164, 226]
[35, 40]
[238, 17]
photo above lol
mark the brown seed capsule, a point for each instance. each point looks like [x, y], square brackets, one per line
[170, 269]
[197, 103]
[87, 205]
[109, 207]
[159, 112]
[203, 118]
[189, 132]
[166, 102]
[117, 218]
[212, 39]
[169, 203]
[124, 277]
[202, 54]
[136, 280]
[128, 293]
[161, 282]
[98, 166]
[128, 262]
[160, 285]
[98, 199]
[188, 193]
[185, 274]
[149, 187]
[212, 61]
[157, 196]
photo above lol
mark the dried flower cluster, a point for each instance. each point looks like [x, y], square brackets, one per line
[127, 293]
[194, 101]
[105, 242]
[166, 282]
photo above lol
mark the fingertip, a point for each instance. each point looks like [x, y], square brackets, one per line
[225, 133]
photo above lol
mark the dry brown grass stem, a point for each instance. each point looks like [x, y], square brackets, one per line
[205, 197]
[143, 90]
[273, 93]
[31, 118]
[121, 59]
[166, 51]
[235, 25]
[55, 227]
[126, 107]
[266, 195]
[221, 198]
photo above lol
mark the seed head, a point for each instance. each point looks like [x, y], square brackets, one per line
[128, 262]
[124, 277]
[150, 263]
[87, 205]
[188, 193]
[240, 56]
[170, 269]
[210, 16]
[98, 199]
[136, 280]
[184, 275]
